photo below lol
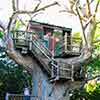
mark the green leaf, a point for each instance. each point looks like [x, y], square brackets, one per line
[1, 34]
[17, 25]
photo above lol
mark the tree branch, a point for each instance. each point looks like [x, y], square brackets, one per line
[93, 78]
[22, 21]
[87, 23]
[2, 27]
[17, 4]
[98, 22]
[98, 40]
[96, 9]
[81, 25]
[88, 7]
[13, 5]
[19, 59]
[37, 6]
[36, 15]
[28, 12]
[76, 4]
[89, 3]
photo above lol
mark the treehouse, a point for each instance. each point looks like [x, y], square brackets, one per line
[51, 45]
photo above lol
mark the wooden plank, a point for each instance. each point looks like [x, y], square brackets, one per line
[43, 62]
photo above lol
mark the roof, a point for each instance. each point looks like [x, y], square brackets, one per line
[51, 25]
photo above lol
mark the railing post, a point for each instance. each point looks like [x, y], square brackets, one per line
[72, 76]
[58, 71]
[65, 42]
[52, 74]
[55, 67]
[30, 42]
[7, 96]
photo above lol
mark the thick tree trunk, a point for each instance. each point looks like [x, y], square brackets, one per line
[77, 62]
[90, 32]
[41, 85]
[21, 60]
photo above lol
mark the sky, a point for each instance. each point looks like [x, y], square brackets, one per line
[50, 15]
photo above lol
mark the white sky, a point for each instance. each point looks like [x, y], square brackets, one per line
[50, 15]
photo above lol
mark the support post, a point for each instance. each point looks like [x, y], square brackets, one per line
[7, 96]
[30, 42]
[65, 41]
[72, 76]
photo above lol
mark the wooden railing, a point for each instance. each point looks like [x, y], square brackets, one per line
[51, 65]
[10, 96]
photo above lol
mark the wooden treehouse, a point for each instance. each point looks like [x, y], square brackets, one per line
[51, 45]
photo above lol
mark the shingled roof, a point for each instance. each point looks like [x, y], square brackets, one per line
[51, 25]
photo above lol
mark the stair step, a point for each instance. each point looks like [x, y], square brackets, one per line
[24, 50]
[52, 79]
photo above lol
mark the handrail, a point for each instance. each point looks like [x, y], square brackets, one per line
[41, 50]
[37, 40]
[62, 46]
[44, 47]
[48, 57]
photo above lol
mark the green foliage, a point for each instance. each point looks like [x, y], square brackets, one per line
[97, 32]
[76, 38]
[1, 34]
[57, 34]
[92, 87]
[77, 41]
[76, 35]
[79, 94]
[94, 67]
[91, 90]
[13, 78]
[17, 24]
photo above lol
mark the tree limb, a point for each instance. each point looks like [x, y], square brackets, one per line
[2, 27]
[87, 23]
[96, 8]
[81, 25]
[68, 11]
[22, 21]
[89, 20]
[92, 78]
[19, 59]
[13, 5]
[98, 23]
[37, 6]
[28, 12]
[17, 4]
[89, 3]
[36, 14]
[96, 41]
[88, 8]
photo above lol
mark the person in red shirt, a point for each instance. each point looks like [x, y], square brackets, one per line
[52, 39]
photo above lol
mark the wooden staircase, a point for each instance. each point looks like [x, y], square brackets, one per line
[55, 67]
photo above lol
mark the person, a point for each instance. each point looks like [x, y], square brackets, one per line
[52, 44]
[52, 39]
[26, 94]
[47, 38]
